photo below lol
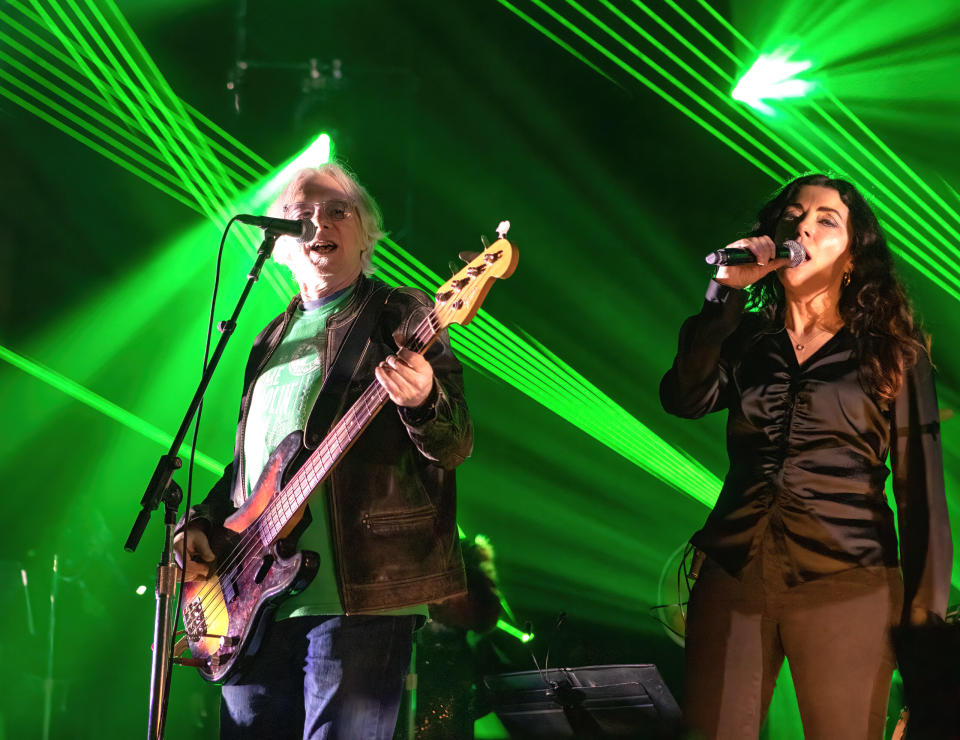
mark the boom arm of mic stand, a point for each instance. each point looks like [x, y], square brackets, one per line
[163, 473]
[162, 488]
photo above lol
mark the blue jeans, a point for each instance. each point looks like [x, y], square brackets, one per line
[321, 678]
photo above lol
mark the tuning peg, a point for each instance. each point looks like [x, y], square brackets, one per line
[484, 242]
[502, 228]
[468, 256]
[454, 267]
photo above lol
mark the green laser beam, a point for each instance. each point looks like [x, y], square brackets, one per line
[872, 136]
[135, 103]
[934, 263]
[558, 41]
[514, 632]
[98, 97]
[199, 203]
[941, 271]
[111, 132]
[102, 405]
[537, 373]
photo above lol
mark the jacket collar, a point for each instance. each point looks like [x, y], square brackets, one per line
[362, 288]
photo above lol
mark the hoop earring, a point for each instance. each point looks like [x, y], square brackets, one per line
[845, 280]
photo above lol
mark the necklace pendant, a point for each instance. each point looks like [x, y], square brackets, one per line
[800, 347]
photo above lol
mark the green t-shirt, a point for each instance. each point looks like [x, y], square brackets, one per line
[283, 397]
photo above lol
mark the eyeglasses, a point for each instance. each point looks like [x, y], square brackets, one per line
[334, 210]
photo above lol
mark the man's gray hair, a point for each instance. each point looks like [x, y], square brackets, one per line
[365, 207]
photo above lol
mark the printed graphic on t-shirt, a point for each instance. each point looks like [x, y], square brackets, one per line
[285, 391]
[306, 358]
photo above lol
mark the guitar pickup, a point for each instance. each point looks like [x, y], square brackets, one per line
[228, 585]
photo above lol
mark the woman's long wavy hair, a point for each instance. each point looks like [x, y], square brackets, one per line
[873, 305]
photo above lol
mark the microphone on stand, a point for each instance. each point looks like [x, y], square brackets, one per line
[743, 256]
[302, 229]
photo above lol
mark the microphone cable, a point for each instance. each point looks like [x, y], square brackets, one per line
[196, 433]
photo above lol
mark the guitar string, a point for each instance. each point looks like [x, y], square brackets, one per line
[346, 429]
[252, 538]
[342, 433]
[253, 535]
[372, 398]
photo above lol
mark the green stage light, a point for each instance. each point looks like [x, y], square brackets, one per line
[772, 77]
[514, 632]
[101, 404]
[177, 148]
[317, 153]
[173, 261]
[917, 218]
[558, 41]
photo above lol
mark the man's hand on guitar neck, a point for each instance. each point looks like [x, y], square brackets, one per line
[407, 377]
[200, 557]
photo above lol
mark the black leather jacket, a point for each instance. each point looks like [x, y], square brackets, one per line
[392, 498]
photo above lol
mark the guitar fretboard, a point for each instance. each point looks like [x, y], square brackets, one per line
[338, 440]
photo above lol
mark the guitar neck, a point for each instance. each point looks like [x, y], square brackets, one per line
[338, 440]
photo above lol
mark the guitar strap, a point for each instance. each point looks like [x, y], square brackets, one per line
[337, 378]
[333, 390]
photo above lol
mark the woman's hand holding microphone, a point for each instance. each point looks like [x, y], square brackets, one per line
[740, 276]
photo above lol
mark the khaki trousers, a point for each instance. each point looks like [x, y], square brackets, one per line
[834, 633]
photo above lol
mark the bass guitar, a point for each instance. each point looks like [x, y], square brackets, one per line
[225, 614]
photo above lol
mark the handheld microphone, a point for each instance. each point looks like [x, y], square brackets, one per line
[303, 229]
[743, 256]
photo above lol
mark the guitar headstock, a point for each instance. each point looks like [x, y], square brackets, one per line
[459, 299]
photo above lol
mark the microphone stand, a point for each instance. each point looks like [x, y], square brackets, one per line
[162, 488]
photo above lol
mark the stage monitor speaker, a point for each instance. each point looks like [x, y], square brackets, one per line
[589, 703]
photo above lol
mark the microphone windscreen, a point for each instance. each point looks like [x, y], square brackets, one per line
[310, 231]
[797, 253]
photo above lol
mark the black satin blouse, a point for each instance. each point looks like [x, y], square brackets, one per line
[808, 449]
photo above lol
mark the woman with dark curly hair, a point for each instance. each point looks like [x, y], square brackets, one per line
[823, 373]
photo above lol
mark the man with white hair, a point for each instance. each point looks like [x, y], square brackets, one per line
[332, 663]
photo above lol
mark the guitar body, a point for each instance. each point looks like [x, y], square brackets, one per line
[256, 567]
[225, 616]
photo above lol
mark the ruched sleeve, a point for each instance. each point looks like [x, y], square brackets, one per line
[697, 382]
[916, 460]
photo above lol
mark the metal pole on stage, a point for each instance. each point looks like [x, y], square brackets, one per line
[48, 679]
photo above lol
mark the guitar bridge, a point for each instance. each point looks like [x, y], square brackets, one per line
[220, 659]
[194, 621]
[226, 641]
